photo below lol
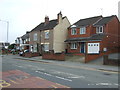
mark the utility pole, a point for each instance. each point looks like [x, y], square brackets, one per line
[101, 11]
[7, 28]
[119, 10]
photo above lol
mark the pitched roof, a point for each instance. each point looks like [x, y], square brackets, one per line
[25, 36]
[104, 20]
[4, 43]
[87, 21]
[95, 37]
[50, 25]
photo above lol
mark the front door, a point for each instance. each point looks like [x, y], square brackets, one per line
[82, 49]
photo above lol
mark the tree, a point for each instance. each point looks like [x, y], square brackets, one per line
[12, 46]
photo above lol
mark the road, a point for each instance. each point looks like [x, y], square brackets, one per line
[17, 73]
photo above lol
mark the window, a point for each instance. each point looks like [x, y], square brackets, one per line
[35, 37]
[73, 45]
[28, 39]
[73, 31]
[46, 47]
[83, 30]
[35, 48]
[99, 29]
[24, 41]
[46, 34]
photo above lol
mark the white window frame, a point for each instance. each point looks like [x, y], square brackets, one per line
[73, 31]
[24, 41]
[35, 48]
[35, 37]
[83, 30]
[73, 45]
[47, 34]
[46, 47]
[28, 39]
[98, 29]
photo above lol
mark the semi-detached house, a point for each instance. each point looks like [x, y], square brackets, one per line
[93, 37]
[49, 36]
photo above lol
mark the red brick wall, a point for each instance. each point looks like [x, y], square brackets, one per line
[30, 54]
[88, 28]
[108, 61]
[111, 40]
[119, 34]
[90, 57]
[53, 56]
[112, 30]
[73, 50]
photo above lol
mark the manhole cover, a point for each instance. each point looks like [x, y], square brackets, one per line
[107, 74]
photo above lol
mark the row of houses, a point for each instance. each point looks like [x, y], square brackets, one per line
[90, 38]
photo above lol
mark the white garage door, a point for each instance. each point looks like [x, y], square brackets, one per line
[93, 48]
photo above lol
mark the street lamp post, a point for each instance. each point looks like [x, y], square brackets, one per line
[7, 27]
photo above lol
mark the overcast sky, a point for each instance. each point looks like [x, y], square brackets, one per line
[24, 15]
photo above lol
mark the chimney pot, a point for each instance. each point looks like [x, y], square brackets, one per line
[46, 20]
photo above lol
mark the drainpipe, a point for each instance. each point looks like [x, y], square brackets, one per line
[40, 43]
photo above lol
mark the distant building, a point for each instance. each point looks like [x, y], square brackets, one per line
[22, 42]
[119, 10]
[4, 45]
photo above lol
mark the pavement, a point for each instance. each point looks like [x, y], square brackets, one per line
[88, 66]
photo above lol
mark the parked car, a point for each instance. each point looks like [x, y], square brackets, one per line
[26, 50]
[22, 52]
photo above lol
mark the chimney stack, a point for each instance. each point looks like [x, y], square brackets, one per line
[59, 17]
[46, 20]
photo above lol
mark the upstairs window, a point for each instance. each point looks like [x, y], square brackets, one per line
[99, 29]
[73, 45]
[46, 34]
[73, 31]
[35, 37]
[82, 30]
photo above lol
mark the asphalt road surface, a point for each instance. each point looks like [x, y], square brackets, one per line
[18, 73]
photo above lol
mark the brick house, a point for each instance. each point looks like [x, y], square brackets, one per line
[93, 37]
[49, 36]
[18, 41]
[22, 42]
[25, 41]
[3, 47]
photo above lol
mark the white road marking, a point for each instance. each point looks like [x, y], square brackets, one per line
[63, 78]
[104, 84]
[116, 84]
[77, 77]
[20, 66]
[47, 74]
[68, 74]
[53, 76]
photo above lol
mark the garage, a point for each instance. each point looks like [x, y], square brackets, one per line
[93, 48]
